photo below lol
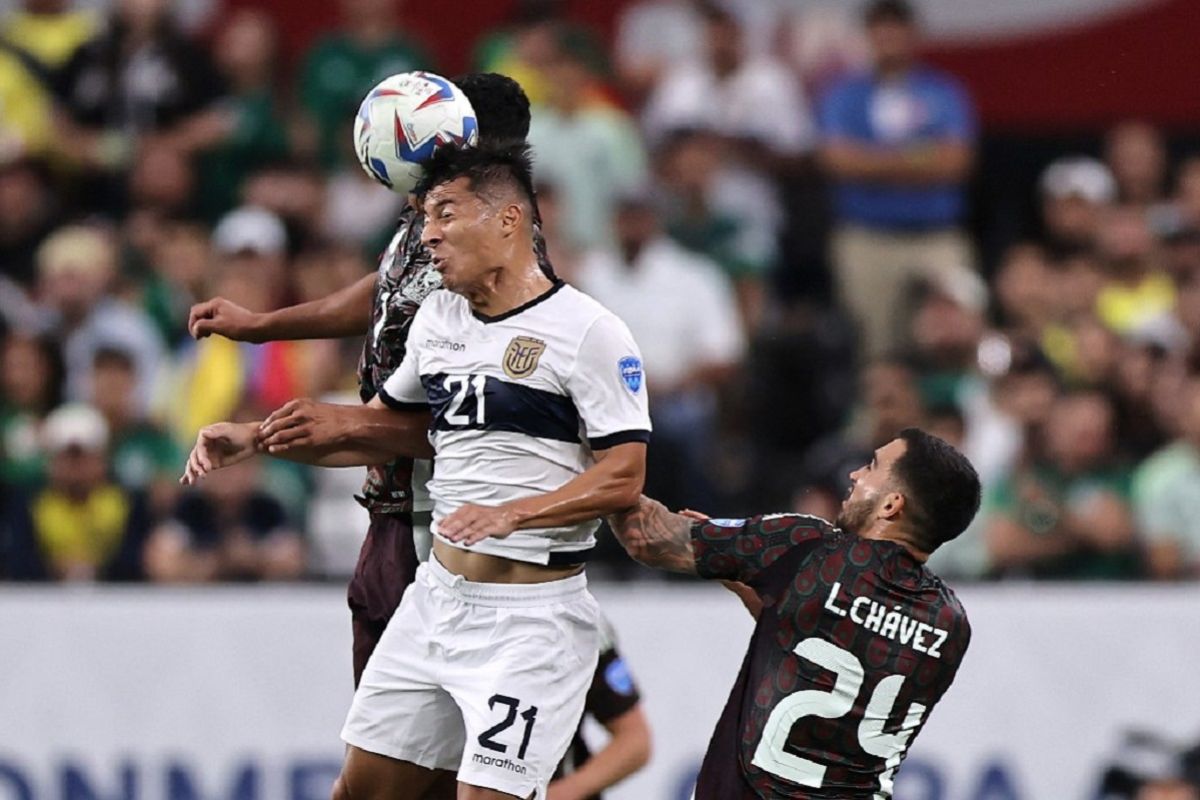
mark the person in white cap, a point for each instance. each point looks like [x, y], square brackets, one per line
[256, 240]
[1075, 191]
[81, 526]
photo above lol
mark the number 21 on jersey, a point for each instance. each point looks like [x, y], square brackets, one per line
[834, 704]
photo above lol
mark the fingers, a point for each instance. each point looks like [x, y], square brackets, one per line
[200, 318]
[696, 515]
[193, 471]
[472, 524]
[284, 411]
[284, 440]
[269, 430]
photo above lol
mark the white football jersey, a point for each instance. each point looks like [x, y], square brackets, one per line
[519, 403]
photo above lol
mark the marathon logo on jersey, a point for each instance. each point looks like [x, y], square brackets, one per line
[500, 763]
[631, 372]
[521, 357]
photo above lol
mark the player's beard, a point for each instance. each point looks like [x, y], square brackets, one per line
[856, 514]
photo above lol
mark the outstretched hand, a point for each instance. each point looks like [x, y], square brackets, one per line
[217, 446]
[303, 423]
[470, 523]
[223, 317]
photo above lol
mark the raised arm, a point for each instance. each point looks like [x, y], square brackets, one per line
[346, 312]
[303, 429]
[655, 536]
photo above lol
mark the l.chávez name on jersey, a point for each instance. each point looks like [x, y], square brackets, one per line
[856, 642]
[519, 403]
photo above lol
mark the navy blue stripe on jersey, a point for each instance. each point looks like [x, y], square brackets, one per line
[398, 405]
[506, 407]
[614, 439]
[566, 558]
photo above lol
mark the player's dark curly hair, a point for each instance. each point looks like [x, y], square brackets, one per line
[940, 488]
[486, 167]
[501, 107]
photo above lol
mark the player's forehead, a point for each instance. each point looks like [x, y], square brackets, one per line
[455, 191]
[888, 454]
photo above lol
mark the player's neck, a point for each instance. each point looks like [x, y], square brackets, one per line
[885, 531]
[506, 288]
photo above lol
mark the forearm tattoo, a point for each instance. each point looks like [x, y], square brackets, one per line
[656, 537]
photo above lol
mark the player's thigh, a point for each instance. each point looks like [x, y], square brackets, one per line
[370, 776]
[522, 704]
[400, 710]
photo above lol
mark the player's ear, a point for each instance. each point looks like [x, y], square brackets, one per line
[892, 505]
[511, 217]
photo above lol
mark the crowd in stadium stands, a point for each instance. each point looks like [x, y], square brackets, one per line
[777, 206]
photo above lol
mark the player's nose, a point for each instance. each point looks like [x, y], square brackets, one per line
[430, 235]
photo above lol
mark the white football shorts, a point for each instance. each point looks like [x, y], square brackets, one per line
[487, 679]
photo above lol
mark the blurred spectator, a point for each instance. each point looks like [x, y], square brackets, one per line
[254, 132]
[526, 47]
[822, 43]
[36, 41]
[1137, 156]
[1066, 514]
[589, 150]
[756, 110]
[81, 527]
[50, 31]
[254, 239]
[143, 457]
[342, 66]
[28, 212]
[227, 529]
[898, 143]
[1166, 501]
[714, 210]
[1137, 295]
[31, 378]
[216, 375]
[682, 312]
[178, 276]
[1075, 192]
[946, 332]
[741, 94]
[294, 193]
[1025, 296]
[143, 76]
[653, 35]
[561, 251]
[77, 271]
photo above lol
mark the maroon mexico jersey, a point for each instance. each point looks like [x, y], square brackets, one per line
[856, 642]
[406, 278]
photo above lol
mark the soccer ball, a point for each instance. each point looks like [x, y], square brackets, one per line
[403, 120]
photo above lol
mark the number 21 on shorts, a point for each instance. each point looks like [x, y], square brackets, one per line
[833, 704]
[487, 738]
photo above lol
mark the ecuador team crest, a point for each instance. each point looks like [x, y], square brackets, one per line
[521, 357]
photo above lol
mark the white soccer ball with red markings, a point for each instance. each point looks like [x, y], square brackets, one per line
[404, 119]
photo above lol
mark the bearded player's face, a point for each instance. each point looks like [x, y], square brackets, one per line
[870, 483]
[461, 232]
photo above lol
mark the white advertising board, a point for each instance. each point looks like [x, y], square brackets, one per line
[239, 694]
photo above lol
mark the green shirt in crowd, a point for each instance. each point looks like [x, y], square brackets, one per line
[335, 77]
[1037, 497]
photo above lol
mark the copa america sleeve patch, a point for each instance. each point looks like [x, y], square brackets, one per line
[631, 372]
[618, 677]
